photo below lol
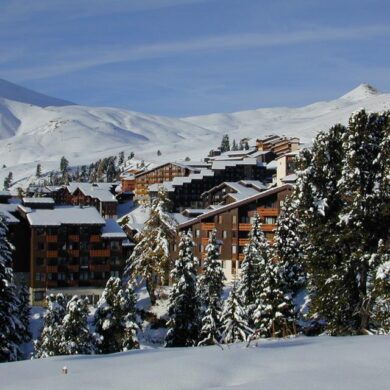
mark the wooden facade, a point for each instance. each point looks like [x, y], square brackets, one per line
[233, 223]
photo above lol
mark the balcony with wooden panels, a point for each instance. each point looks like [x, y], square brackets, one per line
[94, 238]
[267, 212]
[74, 253]
[99, 253]
[52, 254]
[244, 227]
[99, 267]
[208, 226]
[74, 238]
[268, 227]
[73, 268]
[51, 238]
[52, 269]
[243, 241]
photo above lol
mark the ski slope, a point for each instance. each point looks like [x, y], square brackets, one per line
[317, 363]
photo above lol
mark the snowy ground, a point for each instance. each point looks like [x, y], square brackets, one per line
[297, 364]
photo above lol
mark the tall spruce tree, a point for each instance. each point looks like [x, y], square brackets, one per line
[115, 318]
[76, 337]
[343, 201]
[288, 243]
[151, 259]
[48, 343]
[10, 325]
[211, 288]
[225, 144]
[252, 268]
[234, 320]
[184, 302]
[274, 315]
[24, 310]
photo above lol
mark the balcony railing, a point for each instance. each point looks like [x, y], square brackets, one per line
[52, 253]
[74, 252]
[267, 212]
[52, 269]
[94, 238]
[74, 238]
[99, 253]
[99, 267]
[243, 241]
[268, 227]
[244, 227]
[73, 268]
[51, 238]
[208, 226]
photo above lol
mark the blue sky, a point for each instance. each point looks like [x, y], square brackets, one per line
[189, 57]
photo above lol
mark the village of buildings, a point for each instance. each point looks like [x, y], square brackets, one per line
[73, 238]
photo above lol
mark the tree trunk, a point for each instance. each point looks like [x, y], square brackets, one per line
[150, 287]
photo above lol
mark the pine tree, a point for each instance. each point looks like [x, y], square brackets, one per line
[38, 172]
[115, 318]
[274, 315]
[225, 144]
[10, 325]
[288, 243]
[234, 145]
[48, 343]
[151, 259]
[235, 326]
[184, 302]
[64, 164]
[76, 337]
[121, 158]
[8, 181]
[24, 310]
[211, 288]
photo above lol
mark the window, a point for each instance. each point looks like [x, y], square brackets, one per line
[40, 246]
[234, 219]
[234, 249]
[115, 245]
[224, 234]
[219, 218]
[197, 233]
[39, 295]
[270, 220]
[61, 276]
[115, 274]
[40, 277]
[84, 275]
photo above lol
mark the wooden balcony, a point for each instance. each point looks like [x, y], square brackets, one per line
[267, 212]
[51, 238]
[73, 268]
[208, 226]
[243, 241]
[99, 253]
[52, 254]
[74, 238]
[268, 227]
[94, 238]
[205, 241]
[74, 252]
[99, 267]
[52, 269]
[244, 227]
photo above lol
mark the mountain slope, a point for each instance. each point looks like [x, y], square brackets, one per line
[15, 92]
[30, 133]
[304, 122]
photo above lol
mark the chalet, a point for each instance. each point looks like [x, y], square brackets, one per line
[277, 145]
[73, 250]
[158, 175]
[233, 223]
[127, 182]
[185, 192]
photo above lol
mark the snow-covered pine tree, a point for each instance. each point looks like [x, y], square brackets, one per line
[10, 325]
[24, 310]
[211, 288]
[234, 320]
[225, 144]
[114, 318]
[274, 315]
[366, 217]
[184, 302]
[49, 340]
[288, 242]
[76, 337]
[151, 259]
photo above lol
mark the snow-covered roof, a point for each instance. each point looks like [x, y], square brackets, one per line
[100, 191]
[290, 178]
[112, 230]
[220, 165]
[5, 193]
[241, 191]
[45, 200]
[6, 210]
[65, 215]
[272, 164]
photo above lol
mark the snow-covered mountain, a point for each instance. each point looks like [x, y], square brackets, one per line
[35, 127]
